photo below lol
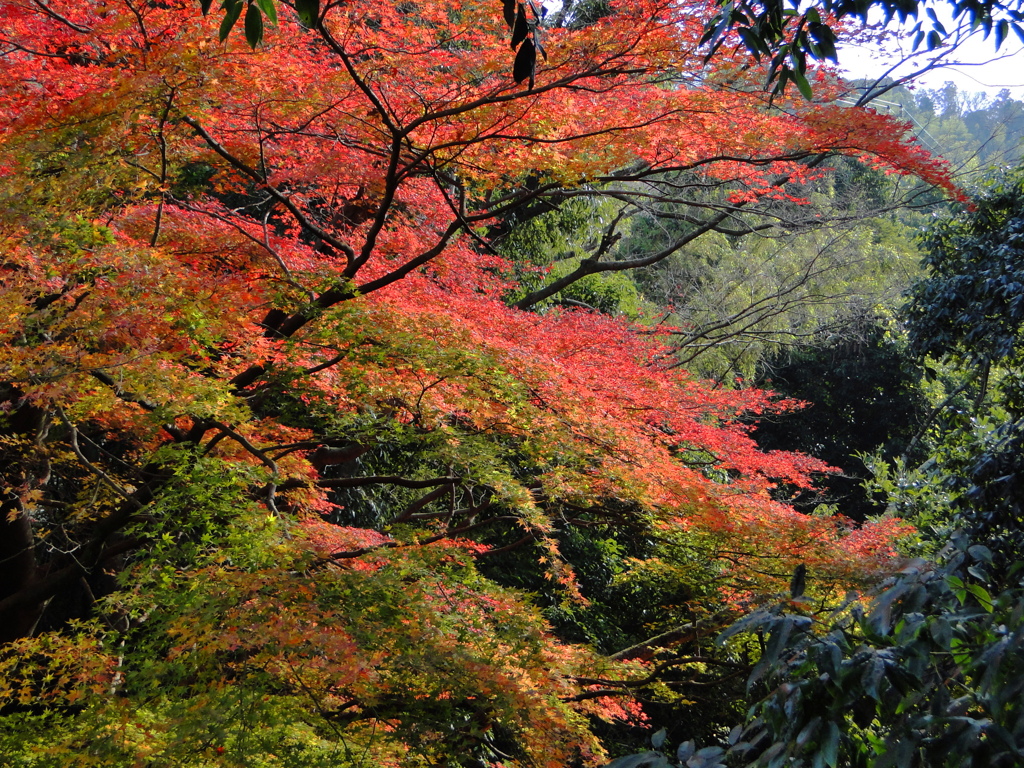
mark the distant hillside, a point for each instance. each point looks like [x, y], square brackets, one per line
[974, 131]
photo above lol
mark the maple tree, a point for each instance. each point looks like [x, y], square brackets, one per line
[271, 398]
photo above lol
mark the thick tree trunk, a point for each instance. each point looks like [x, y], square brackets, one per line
[17, 571]
[22, 467]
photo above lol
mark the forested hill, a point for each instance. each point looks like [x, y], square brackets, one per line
[850, 361]
[972, 130]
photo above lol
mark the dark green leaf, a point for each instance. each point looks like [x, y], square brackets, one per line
[205, 5]
[750, 622]
[773, 753]
[980, 552]
[935, 21]
[525, 63]
[309, 12]
[685, 751]
[509, 10]
[982, 596]
[643, 760]
[734, 735]
[830, 746]
[941, 632]
[708, 757]
[831, 660]
[521, 28]
[658, 739]
[880, 619]
[826, 41]
[798, 583]
[232, 10]
[872, 677]
[753, 42]
[253, 25]
[269, 8]
[808, 732]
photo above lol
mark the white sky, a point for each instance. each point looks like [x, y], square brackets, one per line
[980, 67]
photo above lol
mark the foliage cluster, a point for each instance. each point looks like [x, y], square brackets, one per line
[295, 442]
[929, 673]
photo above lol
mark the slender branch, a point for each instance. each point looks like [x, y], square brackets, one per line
[591, 267]
[421, 502]
[103, 476]
[682, 634]
[62, 19]
[277, 194]
[358, 482]
[272, 484]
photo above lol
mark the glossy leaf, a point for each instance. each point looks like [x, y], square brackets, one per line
[521, 28]
[232, 11]
[269, 8]
[308, 11]
[509, 8]
[253, 24]
[525, 63]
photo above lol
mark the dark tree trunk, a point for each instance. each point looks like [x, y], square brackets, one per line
[23, 467]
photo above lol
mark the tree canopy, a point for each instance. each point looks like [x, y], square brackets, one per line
[297, 443]
[928, 672]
